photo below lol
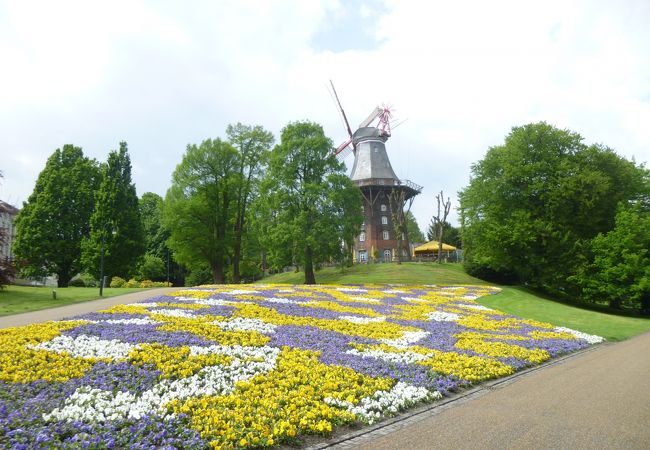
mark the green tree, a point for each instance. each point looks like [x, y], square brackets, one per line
[55, 218]
[313, 209]
[116, 218]
[252, 145]
[619, 269]
[155, 235]
[534, 203]
[413, 231]
[151, 267]
[451, 233]
[199, 207]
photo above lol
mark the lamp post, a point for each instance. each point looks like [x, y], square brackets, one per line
[101, 261]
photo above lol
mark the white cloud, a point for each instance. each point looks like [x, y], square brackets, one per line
[161, 76]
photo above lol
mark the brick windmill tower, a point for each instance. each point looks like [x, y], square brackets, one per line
[383, 234]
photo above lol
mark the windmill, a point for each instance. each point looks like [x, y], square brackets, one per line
[383, 233]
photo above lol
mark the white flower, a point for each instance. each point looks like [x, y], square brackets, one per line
[383, 403]
[441, 316]
[215, 302]
[393, 357]
[362, 320]
[476, 307]
[282, 300]
[87, 347]
[243, 324]
[395, 291]
[345, 289]
[241, 292]
[134, 321]
[591, 338]
[174, 312]
[96, 405]
[409, 337]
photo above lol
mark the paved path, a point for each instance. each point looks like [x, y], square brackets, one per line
[599, 399]
[79, 308]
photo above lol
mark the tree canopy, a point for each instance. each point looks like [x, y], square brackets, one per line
[116, 218]
[413, 231]
[199, 208]
[534, 203]
[312, 208]
[55, 218]
[619, 267]
[253, 145]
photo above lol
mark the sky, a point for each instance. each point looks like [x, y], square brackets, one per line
[457, 76]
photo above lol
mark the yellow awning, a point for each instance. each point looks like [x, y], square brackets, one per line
[432, 247]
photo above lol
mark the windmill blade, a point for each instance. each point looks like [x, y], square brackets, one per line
[343, 153]
[373, 115]
[343, 146]
[347, 124]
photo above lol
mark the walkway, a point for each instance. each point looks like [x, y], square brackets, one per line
[75, 309]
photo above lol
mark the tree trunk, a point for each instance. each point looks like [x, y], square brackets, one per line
[235, 260]
[217, 273]
[310, 278]
[63, 279]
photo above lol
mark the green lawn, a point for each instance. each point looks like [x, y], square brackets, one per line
[20, 299]
[405, 273]
[512, 300]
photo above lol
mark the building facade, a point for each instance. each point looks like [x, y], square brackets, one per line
[7, 215]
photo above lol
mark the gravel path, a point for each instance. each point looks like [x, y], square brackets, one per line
[75, 309]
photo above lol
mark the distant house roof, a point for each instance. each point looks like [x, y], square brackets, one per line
[6, 207]
[432, 247]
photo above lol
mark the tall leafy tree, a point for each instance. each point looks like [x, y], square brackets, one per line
[252, 145]
[56, 217]
[313, 208]
[534, 203]
[619, 268]
[116, 218]
[155, 235]
[199, 207]
[413, 231]
[158, 261]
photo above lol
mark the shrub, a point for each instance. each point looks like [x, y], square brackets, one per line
[132, 283]
[146, 284]
[89, 280]
[77, 282]
[118, 282]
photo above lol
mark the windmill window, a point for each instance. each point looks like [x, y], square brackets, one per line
[363, 256]
[384, 220]
[362, 236]
[383, 207]
[385, 235]
[387, 255]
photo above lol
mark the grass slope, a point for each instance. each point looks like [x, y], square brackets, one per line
[20, 299]
[512, 300]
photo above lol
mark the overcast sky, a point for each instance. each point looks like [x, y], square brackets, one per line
[460, 75]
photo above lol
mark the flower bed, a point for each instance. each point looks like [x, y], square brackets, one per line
[254, 366]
